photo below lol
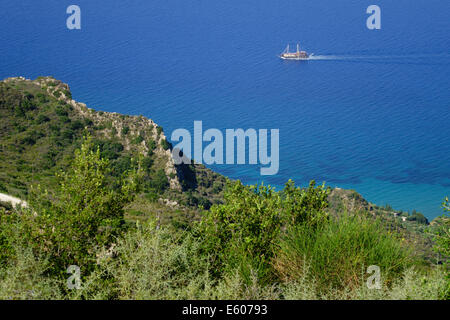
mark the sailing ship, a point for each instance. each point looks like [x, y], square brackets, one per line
[298, 55]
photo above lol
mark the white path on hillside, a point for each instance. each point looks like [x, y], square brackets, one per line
[13, 200]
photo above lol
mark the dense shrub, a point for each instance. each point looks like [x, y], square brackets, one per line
[68, 134]
[147, 164]
[42, 98]
[152, 145]
[196, 201]
[25, 105]
[138, 139]
[243, 232]
[418, 217]
[108, 149]
[67, 93]
[305, 206]
[77, 125]
[28, 140]
[42, 118]
[158, 181]
[121, 165]
[3, 187]
[165, 144]
[125, 130]
[61, 111]
[88, 122]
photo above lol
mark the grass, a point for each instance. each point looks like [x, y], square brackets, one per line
[338, 254]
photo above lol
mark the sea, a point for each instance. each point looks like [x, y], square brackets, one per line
[370, 112]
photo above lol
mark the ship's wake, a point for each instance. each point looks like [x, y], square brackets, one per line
[382, 58]
[325, 57]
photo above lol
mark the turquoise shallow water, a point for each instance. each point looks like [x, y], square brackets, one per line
[370, 113]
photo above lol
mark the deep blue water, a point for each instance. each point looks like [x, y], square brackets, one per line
[372, 113]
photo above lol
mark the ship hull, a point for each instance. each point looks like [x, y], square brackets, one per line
[296, 58]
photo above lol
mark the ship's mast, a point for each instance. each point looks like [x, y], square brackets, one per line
[298, 48]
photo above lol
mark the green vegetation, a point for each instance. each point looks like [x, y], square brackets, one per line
[40, 132]
[125, 130]
[109, 207]
[443, 232]
[258, 244]
[158, 182]
[338, 253]
[138, 139]
[71, 223]
[442, 239]
[417, 216]
[165, 144]
[243, 232]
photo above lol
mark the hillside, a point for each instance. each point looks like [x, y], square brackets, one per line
[42, 126]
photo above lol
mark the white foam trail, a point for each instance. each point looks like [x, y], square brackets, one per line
[379, 57]
[322, 57]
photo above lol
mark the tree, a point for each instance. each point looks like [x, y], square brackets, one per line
[84, 213]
